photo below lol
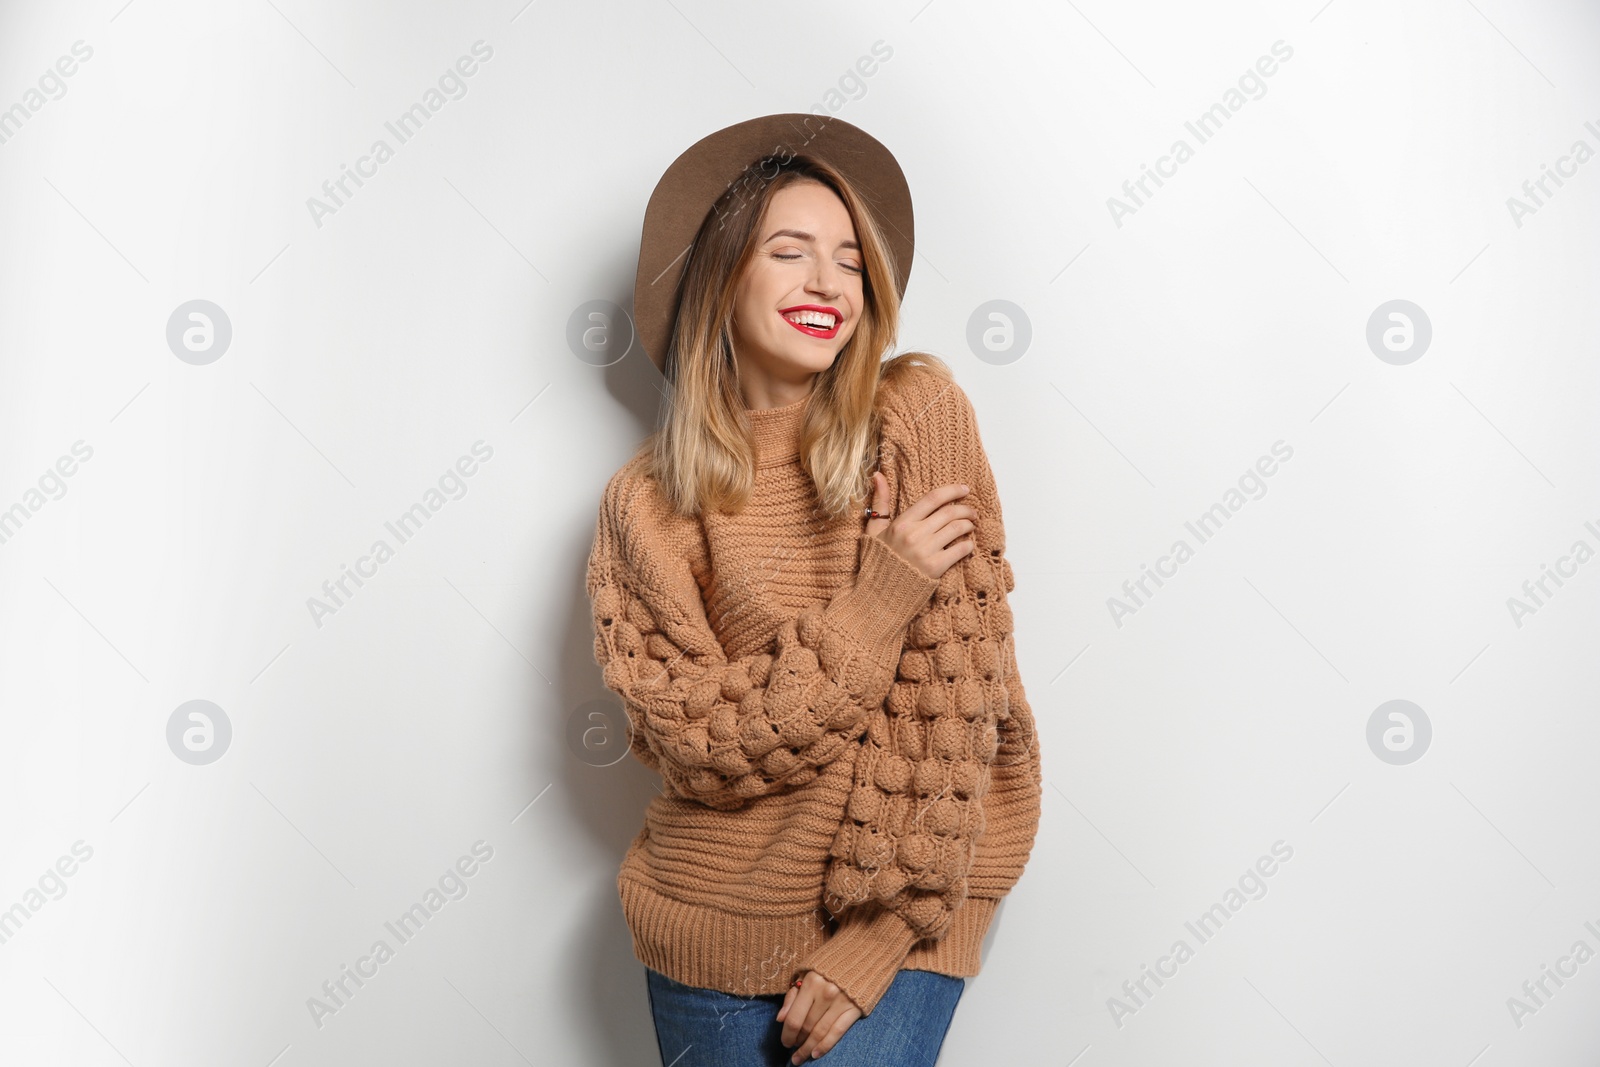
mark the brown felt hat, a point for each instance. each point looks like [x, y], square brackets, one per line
[686, 192]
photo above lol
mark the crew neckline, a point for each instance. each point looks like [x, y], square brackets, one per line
[777, 431]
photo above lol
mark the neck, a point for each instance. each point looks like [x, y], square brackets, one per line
[760, 387]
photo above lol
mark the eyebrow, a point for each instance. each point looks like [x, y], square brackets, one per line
[804, 236]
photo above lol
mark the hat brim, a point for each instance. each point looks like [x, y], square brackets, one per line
[684, 196]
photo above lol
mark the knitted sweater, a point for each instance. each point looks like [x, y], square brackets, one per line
[851, 773]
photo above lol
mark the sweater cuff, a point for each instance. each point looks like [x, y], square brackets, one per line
[887, 594]
[863, 955]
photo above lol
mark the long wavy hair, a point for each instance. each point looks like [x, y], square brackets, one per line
[704, 456]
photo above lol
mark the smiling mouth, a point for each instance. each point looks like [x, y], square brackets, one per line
[812, 329]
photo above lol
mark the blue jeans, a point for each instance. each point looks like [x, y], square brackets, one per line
[707, 1028]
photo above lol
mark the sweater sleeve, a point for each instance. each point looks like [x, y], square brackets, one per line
[945, 801]
[723, 731]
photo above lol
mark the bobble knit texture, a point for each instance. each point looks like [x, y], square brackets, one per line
[837, 734]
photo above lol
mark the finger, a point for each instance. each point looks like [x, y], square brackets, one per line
[957, 510]
[840, 1027]
[958, 551]
[820, 1006]
[933, 500]
[880, 502]
[794, 1021]
[813, 1039]
[952, 529]
[822, 1029]
[786, 1016]
[951, 512]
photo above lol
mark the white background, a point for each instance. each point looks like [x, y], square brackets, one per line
[1171, 348]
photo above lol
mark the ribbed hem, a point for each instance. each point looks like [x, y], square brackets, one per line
[710, 948]
[887, 594]
[958, 953]
[749, 956]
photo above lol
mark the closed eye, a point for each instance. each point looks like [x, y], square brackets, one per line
[796, 255]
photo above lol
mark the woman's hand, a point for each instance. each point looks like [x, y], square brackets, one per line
[930, 533]
[816, 1012]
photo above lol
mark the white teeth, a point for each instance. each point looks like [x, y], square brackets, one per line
[819, 319]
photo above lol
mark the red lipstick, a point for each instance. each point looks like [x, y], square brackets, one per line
[815, 331]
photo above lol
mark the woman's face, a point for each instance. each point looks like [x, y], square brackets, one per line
[807, 260]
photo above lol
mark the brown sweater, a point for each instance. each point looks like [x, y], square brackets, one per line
[851, 772]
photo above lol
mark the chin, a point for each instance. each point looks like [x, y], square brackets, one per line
[817, 362]
[809, 359]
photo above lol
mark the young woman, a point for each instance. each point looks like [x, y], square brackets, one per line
[829, 690]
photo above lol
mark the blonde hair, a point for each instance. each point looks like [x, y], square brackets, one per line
[703, 456]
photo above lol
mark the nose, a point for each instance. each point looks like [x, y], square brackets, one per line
[825, 278]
